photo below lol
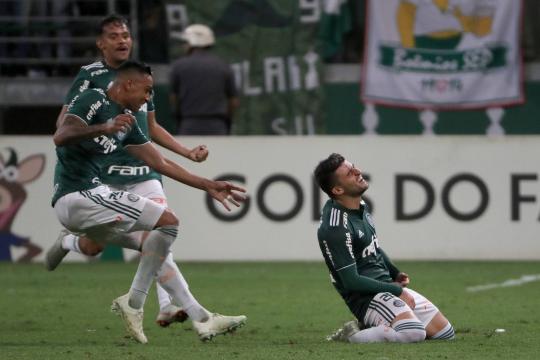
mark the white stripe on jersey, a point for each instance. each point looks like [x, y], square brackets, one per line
[97, 65]
[346, 266]
[335, 216]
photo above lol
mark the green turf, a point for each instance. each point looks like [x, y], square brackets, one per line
[290, 306]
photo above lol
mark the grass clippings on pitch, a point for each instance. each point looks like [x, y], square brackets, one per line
[291, 307]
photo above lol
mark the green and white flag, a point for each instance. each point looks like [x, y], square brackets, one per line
[438, 54]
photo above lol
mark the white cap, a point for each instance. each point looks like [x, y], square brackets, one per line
[198, 35]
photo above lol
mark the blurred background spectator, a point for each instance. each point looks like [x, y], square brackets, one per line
[203, 93]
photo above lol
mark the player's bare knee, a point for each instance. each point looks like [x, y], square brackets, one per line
[89, 247]
[439, 328]
[168, 218]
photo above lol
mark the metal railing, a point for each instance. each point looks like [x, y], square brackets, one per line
[52, 34]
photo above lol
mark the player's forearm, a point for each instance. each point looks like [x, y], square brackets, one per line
[163, 138]
[152, 157]
[176, 172]
[66, 135]
[352, 281]
[394, 271]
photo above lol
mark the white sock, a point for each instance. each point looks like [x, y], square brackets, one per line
[154, 251]
[374, 334]
[71, 242]
[171, 279]
[447, 333]
[403, 331]
[164, 298]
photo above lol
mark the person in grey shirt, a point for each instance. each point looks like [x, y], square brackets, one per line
[203, 93]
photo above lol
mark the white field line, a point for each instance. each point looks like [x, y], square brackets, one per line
[507, 283]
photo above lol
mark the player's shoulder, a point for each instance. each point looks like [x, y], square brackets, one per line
[94, 93]
[333, 216]
[93, 66]
[94, 70]
[88, 97]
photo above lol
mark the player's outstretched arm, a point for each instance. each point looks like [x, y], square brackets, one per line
[163, 138]
[222, 191]
[73, 129]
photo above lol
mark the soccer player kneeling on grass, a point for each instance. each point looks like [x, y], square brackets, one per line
[371, 285]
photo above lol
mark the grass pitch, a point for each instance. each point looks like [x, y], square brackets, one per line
[291, 307]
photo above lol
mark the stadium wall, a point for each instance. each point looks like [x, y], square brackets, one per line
[459, 197]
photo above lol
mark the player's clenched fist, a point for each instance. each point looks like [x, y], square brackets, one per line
[122, 123]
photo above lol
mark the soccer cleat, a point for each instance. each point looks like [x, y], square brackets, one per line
[171, 314]
[133, 318]
[344, 333]
[56, 253]
[218, 324]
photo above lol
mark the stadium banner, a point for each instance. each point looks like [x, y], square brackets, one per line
[443, 198]
[270, 46]
[453, 54]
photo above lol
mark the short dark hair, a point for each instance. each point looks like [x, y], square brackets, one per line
[135, 66]
[325, 172]
[111, 19]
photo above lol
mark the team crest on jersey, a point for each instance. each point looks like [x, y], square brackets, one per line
[133, 197]
[399, 303]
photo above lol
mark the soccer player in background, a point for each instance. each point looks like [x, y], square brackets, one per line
[124, 172]
[98, 123]
[370, 284]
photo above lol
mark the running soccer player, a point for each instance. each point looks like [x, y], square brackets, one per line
[370, 284]
[124, 172]
[97, 124]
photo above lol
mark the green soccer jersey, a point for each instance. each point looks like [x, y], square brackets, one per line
[79, 166]
[347, 238]
[120, 167]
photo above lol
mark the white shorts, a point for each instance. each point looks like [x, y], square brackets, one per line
[150, 189]
[117, 211]
[384, 308]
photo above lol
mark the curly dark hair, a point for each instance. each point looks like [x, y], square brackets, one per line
[111, 19]
[325, 172]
